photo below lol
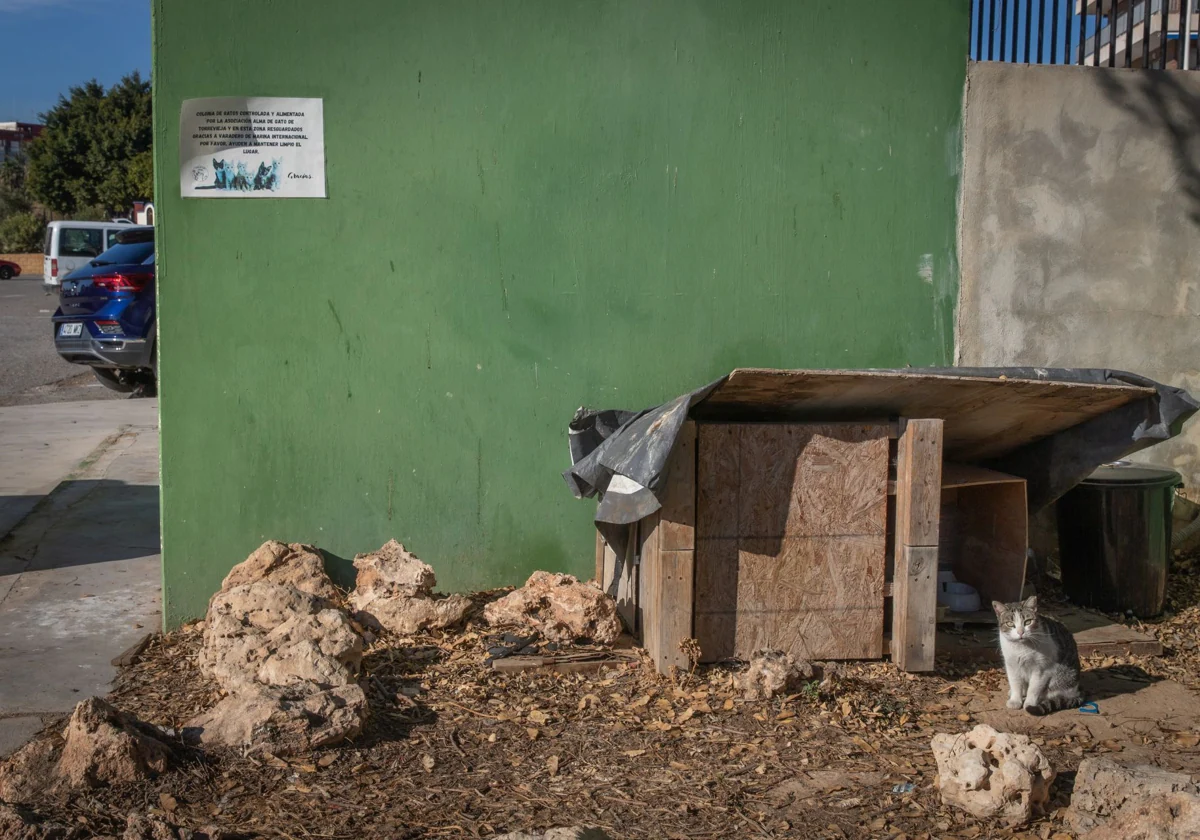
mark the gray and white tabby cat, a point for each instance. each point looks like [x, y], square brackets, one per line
[1040, 657]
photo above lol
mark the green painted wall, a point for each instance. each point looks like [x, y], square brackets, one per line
[533, 205]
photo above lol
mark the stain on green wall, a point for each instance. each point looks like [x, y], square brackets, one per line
[533, 205]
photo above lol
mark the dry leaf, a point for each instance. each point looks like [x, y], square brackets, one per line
[785, 715]
[492, 738]
[760, 769]
[845, 708]
[964, 717]
[537, 716]
[685, 715]
[167, 801]
[1112, 746]
[678, 765]
[327, 759]
[306, 768]
[532, 733]
[634, 753]
[639, 703]
[863, 743]
[428, 763]
[552, 765]
[728, 704]
[1187, 739]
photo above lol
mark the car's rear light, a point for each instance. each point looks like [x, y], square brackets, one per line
[109, 327]
[53, 267]
[122, 281]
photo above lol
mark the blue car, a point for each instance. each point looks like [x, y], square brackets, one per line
[105, 316]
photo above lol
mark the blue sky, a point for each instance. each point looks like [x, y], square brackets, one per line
[50, 45]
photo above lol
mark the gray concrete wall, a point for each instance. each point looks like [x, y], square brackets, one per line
[1080, 236]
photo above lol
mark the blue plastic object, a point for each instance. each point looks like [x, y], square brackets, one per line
[1089, 708]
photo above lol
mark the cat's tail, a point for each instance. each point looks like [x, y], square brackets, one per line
[1056, 703]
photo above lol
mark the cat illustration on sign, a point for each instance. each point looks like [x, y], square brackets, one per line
[234, 176]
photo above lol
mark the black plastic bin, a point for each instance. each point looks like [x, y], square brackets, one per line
[1114, 538]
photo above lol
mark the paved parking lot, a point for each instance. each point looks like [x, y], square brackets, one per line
[30, 371]
[79, 563]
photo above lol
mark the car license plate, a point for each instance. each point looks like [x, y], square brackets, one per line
[69, 330]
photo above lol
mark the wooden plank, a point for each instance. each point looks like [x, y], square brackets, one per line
[600, 546]
[801, 480]
[919, 483]
[967, 475]
[918, 513]
[132, 653]
[678, 514]
[985, 418]
[673, 604]
[563, 664]
[980, 644]
[914, 608]
[647, 572]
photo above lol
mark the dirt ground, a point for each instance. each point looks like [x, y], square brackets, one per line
[456, 749]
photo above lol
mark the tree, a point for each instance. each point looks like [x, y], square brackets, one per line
[21, 233]
[95, 149]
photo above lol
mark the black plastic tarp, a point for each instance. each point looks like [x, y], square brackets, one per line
[621, 456]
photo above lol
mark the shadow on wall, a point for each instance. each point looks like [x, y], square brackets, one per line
[1159, 97]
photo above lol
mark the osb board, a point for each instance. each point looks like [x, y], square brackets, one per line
[790, 547]
[772, 480]
[990, 549]
[815, 597]
[985, 418]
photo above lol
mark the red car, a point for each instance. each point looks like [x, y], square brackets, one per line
[8, 270]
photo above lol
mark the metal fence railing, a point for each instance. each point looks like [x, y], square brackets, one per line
[1106, 33]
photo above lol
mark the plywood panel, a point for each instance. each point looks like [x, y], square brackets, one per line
[678, 514]
[716, 577]
[812, 480]
[919, 482]
[717, 481]
[816, 597]
[984, 417]
[993, 540]
[967, 475]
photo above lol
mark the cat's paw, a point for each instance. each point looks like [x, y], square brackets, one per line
[1014, 704]
[1038, 710]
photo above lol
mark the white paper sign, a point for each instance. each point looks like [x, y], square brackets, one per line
[252, 147]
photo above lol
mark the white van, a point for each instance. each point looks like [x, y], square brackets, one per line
[69, 245]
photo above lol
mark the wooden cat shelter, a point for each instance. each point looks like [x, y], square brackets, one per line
[822, 537]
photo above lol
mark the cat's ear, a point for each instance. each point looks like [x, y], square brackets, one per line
[999, 608]
[1030, 603]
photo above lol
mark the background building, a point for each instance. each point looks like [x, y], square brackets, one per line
[15, 135]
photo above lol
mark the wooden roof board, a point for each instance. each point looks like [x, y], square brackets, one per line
[985, 417]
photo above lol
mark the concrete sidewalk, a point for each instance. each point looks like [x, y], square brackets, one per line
[79, 558]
